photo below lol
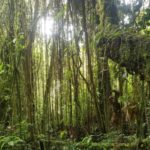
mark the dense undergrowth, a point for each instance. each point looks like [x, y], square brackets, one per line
[114, 140]
[85, 85]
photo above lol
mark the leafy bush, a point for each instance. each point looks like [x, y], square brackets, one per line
[9, 141]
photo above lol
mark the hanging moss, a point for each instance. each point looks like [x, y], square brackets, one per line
[129, 49]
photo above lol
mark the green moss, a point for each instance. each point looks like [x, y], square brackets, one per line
[127, 48]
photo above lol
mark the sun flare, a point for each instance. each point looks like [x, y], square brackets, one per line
[46, 26]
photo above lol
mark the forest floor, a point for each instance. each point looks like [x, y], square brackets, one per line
[114, 140]
[111, 141]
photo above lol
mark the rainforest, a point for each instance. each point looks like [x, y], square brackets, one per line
[74, 75]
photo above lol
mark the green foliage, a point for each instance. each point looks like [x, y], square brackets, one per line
[144, 21]
[9, 141]
[22, 129]
[63, 134]
[19, 42]
[87, 140]
[60, 14]
[5, 89]
[26, 75]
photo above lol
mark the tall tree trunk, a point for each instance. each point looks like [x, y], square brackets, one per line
[47, 89]
[8, 49]
[28, 69]
[108, 15]
[90, 71]
[76, 66]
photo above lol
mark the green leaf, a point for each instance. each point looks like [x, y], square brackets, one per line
[11, 143]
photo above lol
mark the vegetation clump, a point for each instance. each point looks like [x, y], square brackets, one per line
[74, 74]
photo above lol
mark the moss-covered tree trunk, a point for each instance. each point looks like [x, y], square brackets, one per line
[28, 72]
[108, 16]
[90, 70]
[129, 50]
